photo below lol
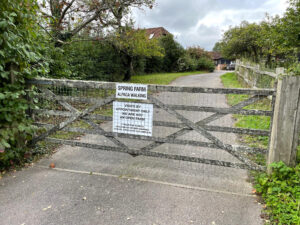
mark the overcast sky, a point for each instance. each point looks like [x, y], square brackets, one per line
[202, 22]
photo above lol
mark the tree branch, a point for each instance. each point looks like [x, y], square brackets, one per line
[60, 41]
[81, 26]
[65, 10]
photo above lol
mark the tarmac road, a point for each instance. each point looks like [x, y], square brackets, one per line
[135, 190]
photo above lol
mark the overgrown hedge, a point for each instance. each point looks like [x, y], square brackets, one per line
[19, 60]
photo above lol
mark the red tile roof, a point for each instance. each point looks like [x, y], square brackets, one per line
[156, 32]
[215, 55]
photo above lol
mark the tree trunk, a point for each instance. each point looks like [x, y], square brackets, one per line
[128, 74]
[268, 62]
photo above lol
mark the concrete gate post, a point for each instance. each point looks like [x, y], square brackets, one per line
[286, 122]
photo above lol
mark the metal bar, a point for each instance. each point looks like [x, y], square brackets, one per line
[155, 88]
[157, 154]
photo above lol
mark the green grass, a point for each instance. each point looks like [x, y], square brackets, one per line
[230, 80]
[161, 78]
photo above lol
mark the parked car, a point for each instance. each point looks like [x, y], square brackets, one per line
[231, 66]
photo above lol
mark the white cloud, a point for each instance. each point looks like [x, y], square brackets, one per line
[202, 22]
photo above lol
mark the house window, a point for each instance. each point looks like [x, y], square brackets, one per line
[151, 36]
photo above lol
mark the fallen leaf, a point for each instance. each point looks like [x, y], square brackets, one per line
[254, 191]
[52, 165]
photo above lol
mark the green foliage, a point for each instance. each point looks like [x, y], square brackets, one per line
[19, 60]
[294, 69]
[274, 41]
[173, 51]
[133, 45]
[281, 192]
[94, 60]
[136, 43]
[154, 65]
[169, 62]
[187, 63]
[241, 41]
[58, 62]
[205, 63]
[217, 47]
[196, 58]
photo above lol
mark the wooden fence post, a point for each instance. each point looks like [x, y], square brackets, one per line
[286, 122]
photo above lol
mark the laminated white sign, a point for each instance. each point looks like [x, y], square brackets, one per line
[131, 91]
[132, 118]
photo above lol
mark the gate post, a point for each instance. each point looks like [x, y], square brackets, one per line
[286, 122]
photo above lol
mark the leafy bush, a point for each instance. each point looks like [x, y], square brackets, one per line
[294, 69]
[187, 63]
[58, 62]
[19, 60]
[281, 192]
[94, 61]
[204, 63]
[173, 51]
[168, 63]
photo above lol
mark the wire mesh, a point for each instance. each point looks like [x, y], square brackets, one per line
[64, 102]
[172, 135]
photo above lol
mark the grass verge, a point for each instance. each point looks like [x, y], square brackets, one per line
[161, 78]
[230, 80]
[280, 191]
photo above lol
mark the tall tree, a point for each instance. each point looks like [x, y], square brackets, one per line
[66, 18]
[242, 41]
[217, 47]
[173, 51]
[135, 43]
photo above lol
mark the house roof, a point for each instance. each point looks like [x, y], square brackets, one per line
[215, 55]
[156, 32]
